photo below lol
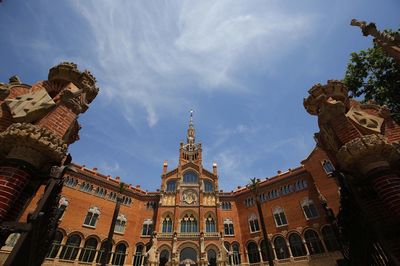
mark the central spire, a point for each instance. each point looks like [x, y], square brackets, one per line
[190, 131]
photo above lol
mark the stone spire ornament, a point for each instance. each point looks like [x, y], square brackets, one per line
[191, 131]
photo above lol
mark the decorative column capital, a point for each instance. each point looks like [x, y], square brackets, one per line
[367, 152]
[33, 144]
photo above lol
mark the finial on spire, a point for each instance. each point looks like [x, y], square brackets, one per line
[190, 132]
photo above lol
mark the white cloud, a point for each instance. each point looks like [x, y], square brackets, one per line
[149, 53]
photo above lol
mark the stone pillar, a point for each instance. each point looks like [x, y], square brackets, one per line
[355, 136]
[41, 123]
[362, 141]
[288, 247]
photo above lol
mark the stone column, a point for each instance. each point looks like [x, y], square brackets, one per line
[361, 139]
[43, 125]
[288, 247]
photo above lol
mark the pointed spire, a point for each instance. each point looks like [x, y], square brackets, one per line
[191, 132]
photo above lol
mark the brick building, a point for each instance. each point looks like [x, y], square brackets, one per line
[190, 221]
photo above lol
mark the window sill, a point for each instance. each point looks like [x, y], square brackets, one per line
[119, 233]
[255, 232]
[146, 236]
[229, 235]
[282, 225]
[89, 226]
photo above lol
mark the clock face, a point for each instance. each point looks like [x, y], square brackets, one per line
[189, 196]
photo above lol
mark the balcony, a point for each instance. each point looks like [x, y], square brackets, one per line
[189, 234]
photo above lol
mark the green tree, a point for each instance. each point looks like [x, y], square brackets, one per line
[374, 75]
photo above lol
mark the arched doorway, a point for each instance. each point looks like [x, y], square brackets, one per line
[188, 257]
[212, 257]
[164, 257]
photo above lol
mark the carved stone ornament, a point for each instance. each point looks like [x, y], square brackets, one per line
[333, 93]
[85, 81]
[365, 120]
[33, 144]
[189, 197]
[31, 106]
[367, 153]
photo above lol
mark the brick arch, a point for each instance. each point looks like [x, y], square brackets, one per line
[164, 214]
[293, 231]
[248, 242]
[123, 242]
[322, 228]
[80, 234]
[310, 228]
[164, 246]
[277, 235]
[213, 214]
[62, 231]
[189, 212]
[188, 244]
[93, 236]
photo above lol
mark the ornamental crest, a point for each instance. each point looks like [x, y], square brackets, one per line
[365, 120]
[189, 197]
[30, 106]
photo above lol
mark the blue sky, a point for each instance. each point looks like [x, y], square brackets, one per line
[243, 66]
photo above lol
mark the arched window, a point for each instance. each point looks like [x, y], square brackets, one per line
[226, 205]
[309, 209]
[329, 237]
[301, 184]
[147, 229]
[313, 242]
[89, 250]
[208, 186]
[164, 257]
[55, 245]
[119, 255]
[171, 186]
[101, 192]
[126, 200]
[210, 224]
[120, 224]
[167, 225]
[71, 248]
[112, 196]
[70, 182]
[212, 257]
[281, 249]
[62, 205]
[86, 187]
[279, 216]
[188, 224]
[252, 252]
[296, 245]
[138, 257]
[92, 216]
[264, 252]
[236, 254]
[190, 178]
[328, 166]
[101, 252]
[228, 227]
[253, 223]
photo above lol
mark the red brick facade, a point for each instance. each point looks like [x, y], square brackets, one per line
[189, 212]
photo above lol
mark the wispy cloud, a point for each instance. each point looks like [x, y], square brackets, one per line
[150, 52]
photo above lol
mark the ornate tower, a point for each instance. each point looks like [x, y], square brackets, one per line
[363, 141]
[188, 209]
[37, 123]
[191, 151]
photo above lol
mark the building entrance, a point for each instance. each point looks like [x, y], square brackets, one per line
[188, 257]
